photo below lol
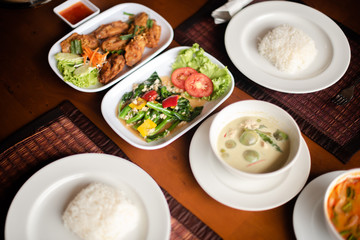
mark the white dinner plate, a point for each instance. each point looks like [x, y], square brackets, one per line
[114, 14]
[308, 218]
[162, 65]
[221, 185]
[36, 211]
[252, 23]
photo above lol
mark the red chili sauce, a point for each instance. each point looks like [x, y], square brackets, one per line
[76, 12]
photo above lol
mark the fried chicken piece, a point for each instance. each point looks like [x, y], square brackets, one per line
[115, 63]
[134, 50]
[152, 35]
[111, 29]
[113, 43]
[139, 20]
[88, 40]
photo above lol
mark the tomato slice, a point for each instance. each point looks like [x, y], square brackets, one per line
[170, 101]
[179, 76]
[150, 96]
[199, 85]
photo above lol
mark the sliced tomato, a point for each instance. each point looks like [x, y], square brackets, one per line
[199, 85]
[179, 76]
[150, 95]
[170, 101]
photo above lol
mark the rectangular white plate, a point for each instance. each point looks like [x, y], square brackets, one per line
[114, 14]
[162, 65]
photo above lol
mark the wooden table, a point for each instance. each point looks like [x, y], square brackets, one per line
[29, 88]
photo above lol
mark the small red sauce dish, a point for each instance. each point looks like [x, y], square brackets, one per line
[76, 12]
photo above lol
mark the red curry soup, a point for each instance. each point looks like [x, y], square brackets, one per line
[343, 207]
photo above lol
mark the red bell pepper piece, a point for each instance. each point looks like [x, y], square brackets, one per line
[170, 101]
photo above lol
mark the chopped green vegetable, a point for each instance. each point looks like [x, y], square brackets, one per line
[280, 135]
[266, 138]
[129, 14]
[248, 137]
[75, 47]
[149, 23]
[251, 156]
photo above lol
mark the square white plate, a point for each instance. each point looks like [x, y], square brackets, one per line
[162, 65]
[69, 3]
[114, 14]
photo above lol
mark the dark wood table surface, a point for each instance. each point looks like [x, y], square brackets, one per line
[30, 88]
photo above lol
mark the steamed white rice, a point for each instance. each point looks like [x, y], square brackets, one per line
[100, 212]
[289, 49]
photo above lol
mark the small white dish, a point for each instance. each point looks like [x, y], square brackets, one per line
[253, 22]
[229, 190]
[308, 217]
[57, 10]
[36, 211]
[162, 65]
[261, 109]
[114, 14]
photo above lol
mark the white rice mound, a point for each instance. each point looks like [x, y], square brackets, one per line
[100, 212]
[289, 49]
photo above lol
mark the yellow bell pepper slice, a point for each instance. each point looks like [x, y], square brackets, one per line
[139, 103]
[145, 127]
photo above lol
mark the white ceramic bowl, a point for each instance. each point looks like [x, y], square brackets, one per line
[341, 178]
[264, 110]
[70, 3]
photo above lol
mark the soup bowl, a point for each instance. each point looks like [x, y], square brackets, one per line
[341, 205]
[272, 115]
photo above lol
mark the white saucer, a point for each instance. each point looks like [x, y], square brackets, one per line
[216, 181]
[308, 217]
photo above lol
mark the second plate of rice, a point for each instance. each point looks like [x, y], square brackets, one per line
[248, 27]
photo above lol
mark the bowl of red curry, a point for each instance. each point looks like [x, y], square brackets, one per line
[342, 205]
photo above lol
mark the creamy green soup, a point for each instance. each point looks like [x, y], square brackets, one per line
[254, 145]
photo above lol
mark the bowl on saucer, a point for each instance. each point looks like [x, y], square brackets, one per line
[256, 141]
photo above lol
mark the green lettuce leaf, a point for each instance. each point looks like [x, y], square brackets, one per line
[194, 57]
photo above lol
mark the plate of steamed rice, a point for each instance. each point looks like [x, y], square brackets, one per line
[287, 47]
[89, 196]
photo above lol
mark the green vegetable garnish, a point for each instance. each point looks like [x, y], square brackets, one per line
[75, 47]
[266, 138]
[149, 23]
[129, 14]
[280, 135]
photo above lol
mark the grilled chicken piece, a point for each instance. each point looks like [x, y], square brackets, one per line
[115, 63]
[134, 50]
[113, 43]
[86, 41]
[152, 35]
[111, 29]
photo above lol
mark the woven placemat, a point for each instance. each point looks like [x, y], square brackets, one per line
[62, 132]
[335, 128]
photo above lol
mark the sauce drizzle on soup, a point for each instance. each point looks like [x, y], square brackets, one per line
[343, 208]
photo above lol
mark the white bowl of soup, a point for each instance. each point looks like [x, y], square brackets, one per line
[255, 140]
[342, 205]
